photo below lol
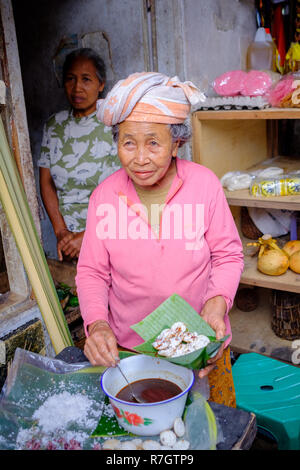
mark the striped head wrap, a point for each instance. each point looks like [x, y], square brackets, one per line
[148, 97]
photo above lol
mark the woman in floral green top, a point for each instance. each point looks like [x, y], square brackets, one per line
[77, 152]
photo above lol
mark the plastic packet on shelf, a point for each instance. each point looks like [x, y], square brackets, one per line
[229, 83]
[256, 83]
[286, 92]
[234, 180]
[251, 83]
[286, 185]
[269, 172]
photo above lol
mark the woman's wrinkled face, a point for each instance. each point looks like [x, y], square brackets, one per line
[82, 86]
[145, 150]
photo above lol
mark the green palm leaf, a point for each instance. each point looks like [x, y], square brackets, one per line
[19, 217]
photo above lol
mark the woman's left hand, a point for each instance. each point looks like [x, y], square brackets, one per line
[213, 313]
[72, 244]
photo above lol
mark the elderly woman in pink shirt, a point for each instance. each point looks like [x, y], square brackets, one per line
[158, 226]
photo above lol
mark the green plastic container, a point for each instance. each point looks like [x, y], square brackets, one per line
[271, 390]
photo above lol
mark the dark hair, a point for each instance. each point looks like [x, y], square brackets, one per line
[179, 132]
[87, 53]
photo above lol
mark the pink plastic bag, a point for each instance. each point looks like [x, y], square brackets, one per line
[281, 89]
[256, 83]
[237, 82]
[229, 83]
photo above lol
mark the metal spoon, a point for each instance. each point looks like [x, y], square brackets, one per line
[129, 384]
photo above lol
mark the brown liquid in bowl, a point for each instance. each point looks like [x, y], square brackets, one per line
[150, 390]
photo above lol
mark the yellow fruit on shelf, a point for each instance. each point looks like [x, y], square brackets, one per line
[291, 247]
[272, 260]
[295, 262]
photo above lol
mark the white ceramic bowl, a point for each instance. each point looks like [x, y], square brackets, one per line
[146, 419]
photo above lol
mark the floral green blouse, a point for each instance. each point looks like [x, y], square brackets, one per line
[80, 153]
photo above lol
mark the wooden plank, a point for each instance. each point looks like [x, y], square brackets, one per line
[289, 281]
[267, 113]
[17, 278]
[17, 120]
[243, 197]
[4, 284]
[196, 139]
[226, 146]
[252, 331]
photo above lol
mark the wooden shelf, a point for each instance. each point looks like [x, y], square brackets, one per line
[252, 331]
[244, 198]
[289, 281]
[267, 113]
[247, 140]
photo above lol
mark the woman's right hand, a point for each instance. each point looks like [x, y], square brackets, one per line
[63, 237]
[101, 346]
[69, 244]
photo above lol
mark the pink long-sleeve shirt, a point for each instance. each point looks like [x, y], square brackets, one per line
[125, 270]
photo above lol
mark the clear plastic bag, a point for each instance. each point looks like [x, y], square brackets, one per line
[234, 180]
[200, 416]
[34, 380]
[286, 185]
[286, 92]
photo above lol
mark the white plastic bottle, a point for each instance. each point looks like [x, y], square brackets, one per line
[260, 53]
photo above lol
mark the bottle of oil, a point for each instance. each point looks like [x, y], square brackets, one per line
[270, 39]
[260, 53]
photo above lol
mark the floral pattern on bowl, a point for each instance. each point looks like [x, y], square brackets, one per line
[131, 418]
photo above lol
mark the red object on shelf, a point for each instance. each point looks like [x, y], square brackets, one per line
[278, 34]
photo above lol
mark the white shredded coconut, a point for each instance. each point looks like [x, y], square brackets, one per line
[108, 411]
[63, 422]
[60, 410]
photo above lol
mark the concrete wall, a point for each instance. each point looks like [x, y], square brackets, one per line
[219, 43]
[196, 40]
[200, 39]
[40, 26]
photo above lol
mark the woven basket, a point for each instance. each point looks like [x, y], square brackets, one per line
[286, 314]
[248, 228]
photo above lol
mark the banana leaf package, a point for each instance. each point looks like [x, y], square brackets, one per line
[172, 310]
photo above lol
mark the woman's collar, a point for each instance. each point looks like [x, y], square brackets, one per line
[82, 118]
